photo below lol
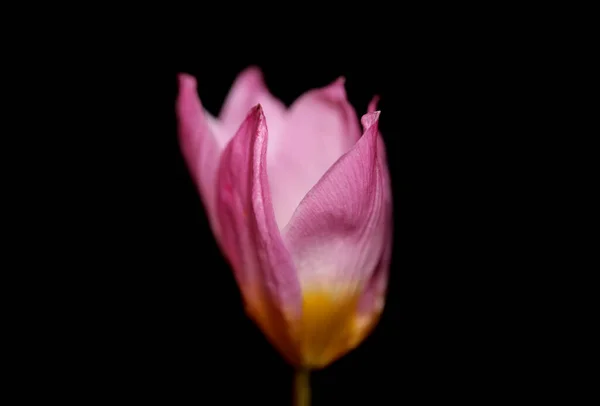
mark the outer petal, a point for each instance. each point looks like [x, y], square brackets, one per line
[199, 144]
[373, 298]
[320, 127]
[262, 265]
[336, 238]
[373, 104]
[247, 91]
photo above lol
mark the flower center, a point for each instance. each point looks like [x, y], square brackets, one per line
[327, 327]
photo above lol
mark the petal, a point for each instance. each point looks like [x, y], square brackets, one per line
[199, 144]
[373, 104]
[382, 153]
[343, 212]
[372, 300]
[261, 263]
[336, 238]
[247, 91]
[320, 127]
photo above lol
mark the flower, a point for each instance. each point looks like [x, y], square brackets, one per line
[301, 205]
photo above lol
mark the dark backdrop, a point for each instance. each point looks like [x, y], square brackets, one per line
[172, 322]
[127, 297]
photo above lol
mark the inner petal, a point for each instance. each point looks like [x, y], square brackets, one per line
[248, 90]
[327, 327]
[319, 128]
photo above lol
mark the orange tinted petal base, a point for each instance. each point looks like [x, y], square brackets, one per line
[330, 327]
[269, 320]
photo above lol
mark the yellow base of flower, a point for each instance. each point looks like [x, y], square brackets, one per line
[328, 328]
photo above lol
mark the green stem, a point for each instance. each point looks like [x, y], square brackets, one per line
[302, 387]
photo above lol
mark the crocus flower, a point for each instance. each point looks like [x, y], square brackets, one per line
[300, 203]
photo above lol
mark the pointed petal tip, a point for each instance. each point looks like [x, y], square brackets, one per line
[252, 74]
[339, 84]
[336, 90]
[186, 80]
[258, 113]
[373, 103]
[188, 101]
[252, 69]
[370, 119]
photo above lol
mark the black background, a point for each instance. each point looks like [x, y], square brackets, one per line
[212, 346]
[165, 321]
[186, 335]
[121, 294]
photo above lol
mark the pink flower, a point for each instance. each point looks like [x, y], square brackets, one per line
[301, 205]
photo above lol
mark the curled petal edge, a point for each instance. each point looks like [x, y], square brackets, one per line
[262, 265]
[336, 238]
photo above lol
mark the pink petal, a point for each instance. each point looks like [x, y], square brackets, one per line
[373, 104]
[372, 300]
[382, 153]
[320, 127]
[261, 263]
[336, 238]
[337, 235]
[247, 91]
[199, 144]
